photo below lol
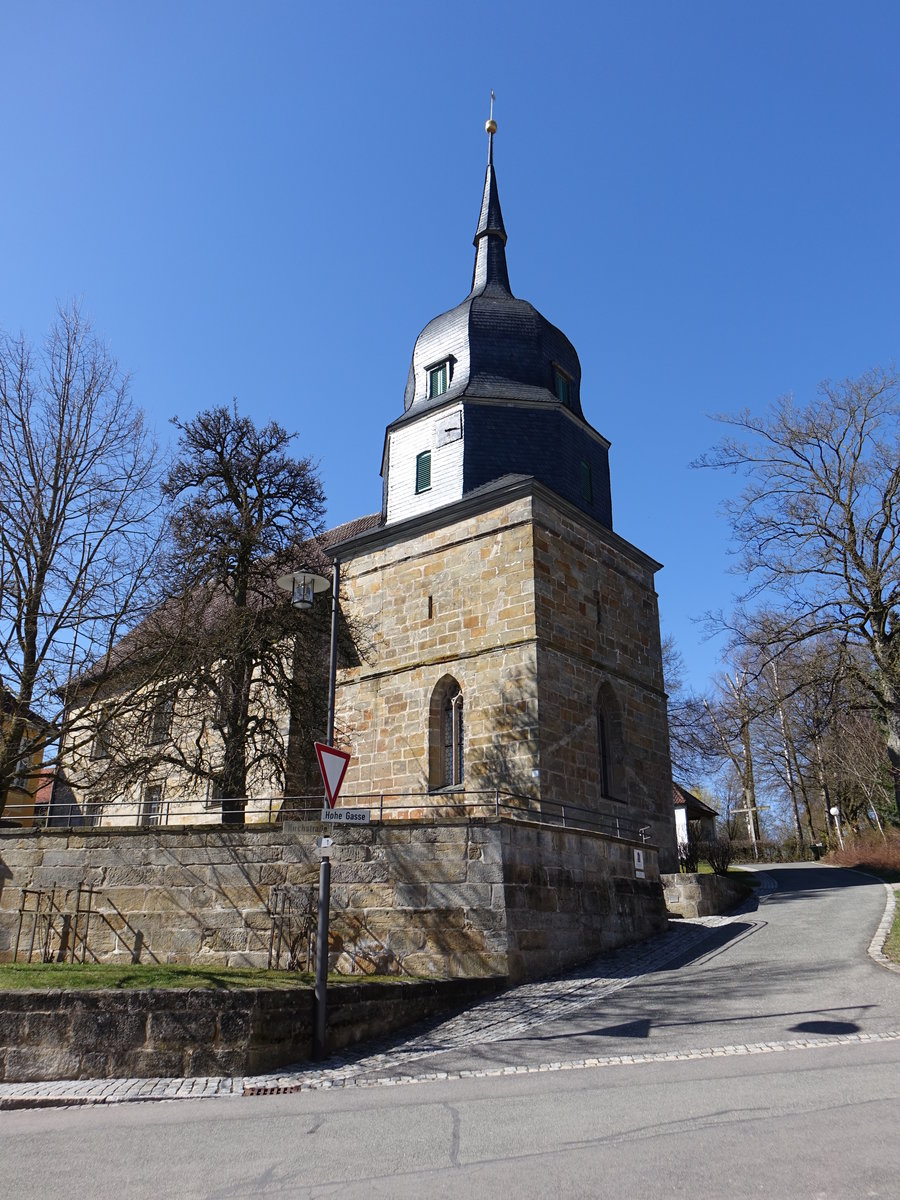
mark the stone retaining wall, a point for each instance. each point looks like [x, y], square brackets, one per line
[447, 899]
[184, 1033]
[693, 895]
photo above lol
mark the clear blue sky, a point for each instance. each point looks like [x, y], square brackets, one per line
[270, 200]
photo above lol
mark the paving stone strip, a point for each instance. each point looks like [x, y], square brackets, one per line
[500, 1017]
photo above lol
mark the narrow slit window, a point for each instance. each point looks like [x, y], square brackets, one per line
[603, 754]
[438, 379]
[587, 486]
[423, 471]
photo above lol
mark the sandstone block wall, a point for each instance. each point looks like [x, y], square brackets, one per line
[599, 646]
[454, 600]
[185, 1033]
[452, 898]
[570, 896]
[540, 615]
[694, 895]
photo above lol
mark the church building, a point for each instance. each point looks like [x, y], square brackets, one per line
[514, 648]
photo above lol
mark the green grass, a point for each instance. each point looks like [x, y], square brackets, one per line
[68, 976]
[892, 945]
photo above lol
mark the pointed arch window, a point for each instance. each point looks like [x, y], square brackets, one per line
[452, 730]
[447, 736]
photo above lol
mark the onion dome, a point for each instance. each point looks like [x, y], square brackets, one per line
[492, 346]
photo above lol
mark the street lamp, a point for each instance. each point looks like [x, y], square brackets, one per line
[303, 585]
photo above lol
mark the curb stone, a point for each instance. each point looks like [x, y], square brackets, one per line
[876, 946]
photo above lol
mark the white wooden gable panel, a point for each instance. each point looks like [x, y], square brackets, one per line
[442, 434]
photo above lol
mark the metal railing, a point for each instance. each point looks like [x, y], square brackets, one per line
[420, 806]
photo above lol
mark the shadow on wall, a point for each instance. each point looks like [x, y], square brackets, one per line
[64, 810]
[510, 762]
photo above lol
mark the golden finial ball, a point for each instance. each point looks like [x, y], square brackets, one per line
[490, 126]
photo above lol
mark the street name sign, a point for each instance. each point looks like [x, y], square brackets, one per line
[333, 765]
[346, 816]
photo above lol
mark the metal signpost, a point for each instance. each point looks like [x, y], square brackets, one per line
[303, 585]
[320, 1042]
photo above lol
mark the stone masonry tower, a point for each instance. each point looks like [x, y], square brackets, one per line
[514, 637]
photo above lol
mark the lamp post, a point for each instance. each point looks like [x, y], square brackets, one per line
[303, 585]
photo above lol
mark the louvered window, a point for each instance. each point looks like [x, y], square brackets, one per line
[423, 471]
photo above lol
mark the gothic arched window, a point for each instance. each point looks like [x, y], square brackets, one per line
[447, 736]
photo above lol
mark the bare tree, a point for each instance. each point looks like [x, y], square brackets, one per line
[690, 744]
[732, 716]
[818, 525]
[78, 497]
[225, 672]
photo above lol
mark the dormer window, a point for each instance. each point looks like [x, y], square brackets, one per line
[438, 379]
[423, 471]
[562, 386]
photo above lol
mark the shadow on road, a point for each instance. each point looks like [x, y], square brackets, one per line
[801, 881]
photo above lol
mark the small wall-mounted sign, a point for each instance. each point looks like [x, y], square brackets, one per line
[639, 872]
[346, 816]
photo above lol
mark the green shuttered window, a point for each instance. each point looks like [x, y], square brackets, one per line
[438, 380]
[423, 471]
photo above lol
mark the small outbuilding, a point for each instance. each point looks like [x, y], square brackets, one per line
[694, 820]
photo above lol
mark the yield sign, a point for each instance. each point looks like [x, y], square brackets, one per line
[333, 765]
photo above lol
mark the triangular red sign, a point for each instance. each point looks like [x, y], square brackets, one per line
[333, 765]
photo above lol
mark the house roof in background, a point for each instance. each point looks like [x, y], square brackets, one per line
[693, 805]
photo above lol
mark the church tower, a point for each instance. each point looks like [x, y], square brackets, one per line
[493, 389]
[514, 650]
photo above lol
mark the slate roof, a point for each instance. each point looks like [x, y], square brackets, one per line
[500, 347]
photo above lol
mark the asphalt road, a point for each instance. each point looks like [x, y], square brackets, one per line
[815, 1122]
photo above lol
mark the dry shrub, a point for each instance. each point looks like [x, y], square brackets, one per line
[874, 852]
[719, 854]
[688, 857]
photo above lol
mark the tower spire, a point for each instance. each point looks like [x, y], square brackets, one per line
[490, 236]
